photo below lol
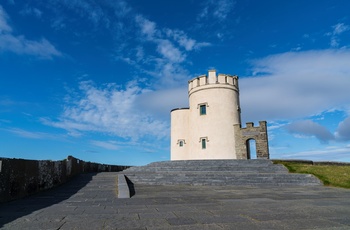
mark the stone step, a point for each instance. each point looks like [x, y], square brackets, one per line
[238, 169]
[218, 172]
[218, 163]
[249, 179]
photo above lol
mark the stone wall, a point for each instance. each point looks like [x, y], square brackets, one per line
[259, 134]
[20, 178]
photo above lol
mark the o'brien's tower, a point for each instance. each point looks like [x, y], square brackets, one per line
[211, 127]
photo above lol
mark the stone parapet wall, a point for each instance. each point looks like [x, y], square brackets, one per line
[276, 161]
[20, 178]
[204, 80]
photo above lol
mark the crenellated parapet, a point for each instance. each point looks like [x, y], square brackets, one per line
[251, 132]
[213, 80]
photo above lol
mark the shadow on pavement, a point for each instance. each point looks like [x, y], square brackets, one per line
[12, 210]
[131, 186]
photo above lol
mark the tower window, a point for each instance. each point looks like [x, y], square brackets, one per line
[204, 143]
[181, 143]
[202, 109]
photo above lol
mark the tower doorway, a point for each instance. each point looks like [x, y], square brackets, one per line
[251, 149]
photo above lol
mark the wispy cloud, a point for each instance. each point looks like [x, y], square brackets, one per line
[214, 18]
[110, 109]
[338, 29]
[111, 145]
[104, 14]
[88, 9]
[31, 11]
[160, 54]
[147, 27]
[170, 54]
[4, 26]
[20, 45]
[167, 49]
[4, 101]
[218, 10]
[183, 40]
[32, 134]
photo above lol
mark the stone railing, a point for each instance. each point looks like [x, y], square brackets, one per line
[20, 178]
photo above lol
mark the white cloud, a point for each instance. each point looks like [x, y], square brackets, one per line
[182, 39]
[20, 45]
[111, 145]
[112, 110]
[310, 128]
[161, 102]
[275, 125]
[33, 135]
[86, 9]
[168, 51]
[218, 10]
[171, 47]
[295, 85]
[222, 9]
[343, 131]
[121, 8]
[27, 134]
[148, 28]
[338, 29]
[4, 26]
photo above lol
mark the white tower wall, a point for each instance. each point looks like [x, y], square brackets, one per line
[179, 133]
[220, 97]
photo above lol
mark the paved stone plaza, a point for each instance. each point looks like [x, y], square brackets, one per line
[90, 202]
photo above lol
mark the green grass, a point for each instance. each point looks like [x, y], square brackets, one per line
[330, 175]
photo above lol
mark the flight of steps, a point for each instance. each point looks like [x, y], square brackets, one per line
[218, 172]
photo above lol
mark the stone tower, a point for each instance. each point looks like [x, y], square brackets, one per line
[211, 127]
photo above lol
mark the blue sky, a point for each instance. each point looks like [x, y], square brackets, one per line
[97, 79]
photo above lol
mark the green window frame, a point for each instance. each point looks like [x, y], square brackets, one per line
[204, 143]
[202, 109]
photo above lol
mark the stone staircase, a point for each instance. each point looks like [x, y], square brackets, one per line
[218, 172]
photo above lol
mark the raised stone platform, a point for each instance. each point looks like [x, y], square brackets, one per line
[217, 173]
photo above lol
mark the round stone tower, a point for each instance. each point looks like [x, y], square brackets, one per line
[206, 130]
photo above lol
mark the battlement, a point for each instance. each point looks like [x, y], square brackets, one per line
[211, 79]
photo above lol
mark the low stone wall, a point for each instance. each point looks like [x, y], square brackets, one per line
[20, 178]
[313, 162]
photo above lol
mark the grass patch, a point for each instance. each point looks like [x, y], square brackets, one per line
[331, 175]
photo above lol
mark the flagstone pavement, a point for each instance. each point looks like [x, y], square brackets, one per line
[90, 201]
